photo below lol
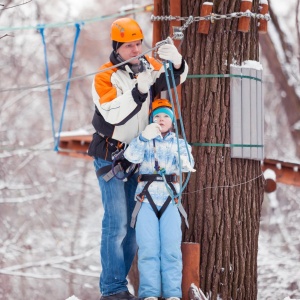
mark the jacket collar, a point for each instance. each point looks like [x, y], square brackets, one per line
[116, 59]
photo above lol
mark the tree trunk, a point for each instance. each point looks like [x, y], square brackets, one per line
[223, 198]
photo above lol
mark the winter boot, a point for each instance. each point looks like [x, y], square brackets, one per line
[120, 296]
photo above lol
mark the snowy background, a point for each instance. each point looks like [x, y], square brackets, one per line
[50, 208]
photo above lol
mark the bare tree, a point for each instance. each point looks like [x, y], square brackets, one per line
[285, 70]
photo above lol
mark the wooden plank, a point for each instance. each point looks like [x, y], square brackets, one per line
[156, 24]
[236, 111]
[287, 173]
[260, 112]
[254, 117]
[191, 267]
[246, 108]
[77, 146]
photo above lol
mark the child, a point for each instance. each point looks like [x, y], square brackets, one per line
[158, 225]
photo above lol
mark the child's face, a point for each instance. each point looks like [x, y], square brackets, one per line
[164, 121]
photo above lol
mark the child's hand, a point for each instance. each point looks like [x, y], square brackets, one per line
[185, 164]
[151, 131]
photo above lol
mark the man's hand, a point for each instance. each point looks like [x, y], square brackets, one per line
[144, 81]
[170, 52]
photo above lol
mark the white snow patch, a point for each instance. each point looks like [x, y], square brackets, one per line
[253, 64]
[73, 298]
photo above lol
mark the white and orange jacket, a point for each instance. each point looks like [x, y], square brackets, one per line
[122, 112]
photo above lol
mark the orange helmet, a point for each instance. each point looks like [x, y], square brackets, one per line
[161, 105]
[126, 30]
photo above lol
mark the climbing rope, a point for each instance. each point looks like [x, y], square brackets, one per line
[86, 75]
[56, 137]
[162, 172]
[122, 13]
[41, 30]
[166, 41]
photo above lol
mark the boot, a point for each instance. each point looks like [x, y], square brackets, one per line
[120, 296]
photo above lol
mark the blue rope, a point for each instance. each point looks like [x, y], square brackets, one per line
[179, 115]
[41, 30]
[176, 130]
[78, 27]
[182, 128]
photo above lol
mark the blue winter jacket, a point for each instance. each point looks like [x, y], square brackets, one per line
[141, 151]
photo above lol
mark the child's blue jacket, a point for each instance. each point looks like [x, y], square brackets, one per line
[141, 151]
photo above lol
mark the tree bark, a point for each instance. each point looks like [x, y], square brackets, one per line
[224, 197]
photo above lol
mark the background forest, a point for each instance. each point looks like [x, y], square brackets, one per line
[50, 204]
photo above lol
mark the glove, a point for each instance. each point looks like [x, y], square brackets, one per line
[151, 131]
[170, 52]
[185, 164]
[144, 81]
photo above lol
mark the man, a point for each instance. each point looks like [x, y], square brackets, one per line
[122, 97]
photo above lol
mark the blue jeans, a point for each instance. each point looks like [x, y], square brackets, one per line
[159, 256]
[118, 243]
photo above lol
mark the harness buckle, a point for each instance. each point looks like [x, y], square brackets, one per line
[140, 197]
[175, 178]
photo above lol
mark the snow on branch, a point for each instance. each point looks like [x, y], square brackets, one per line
[27, 198]
[7, 7]
[52, 262]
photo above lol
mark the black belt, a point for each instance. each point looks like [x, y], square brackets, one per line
[103, 170]
[110, 140]
[156, 177]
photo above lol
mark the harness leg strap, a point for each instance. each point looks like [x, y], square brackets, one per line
[135, 212]
[184, 214]
[146, 193]
[108, 176]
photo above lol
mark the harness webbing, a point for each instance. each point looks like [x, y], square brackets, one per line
[150, 178]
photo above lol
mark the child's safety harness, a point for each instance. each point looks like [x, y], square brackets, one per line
[160, 176]
[170, 179]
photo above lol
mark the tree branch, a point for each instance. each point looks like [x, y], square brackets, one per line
[5, 7]
[3, 36]
[48, 262]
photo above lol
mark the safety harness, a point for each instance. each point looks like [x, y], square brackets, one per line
[170, 179]
[119, 163]
[160, 176]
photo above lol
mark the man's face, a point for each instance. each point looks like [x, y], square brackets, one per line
[129, 50]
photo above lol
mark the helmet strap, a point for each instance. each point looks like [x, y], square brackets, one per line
[118, 57]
